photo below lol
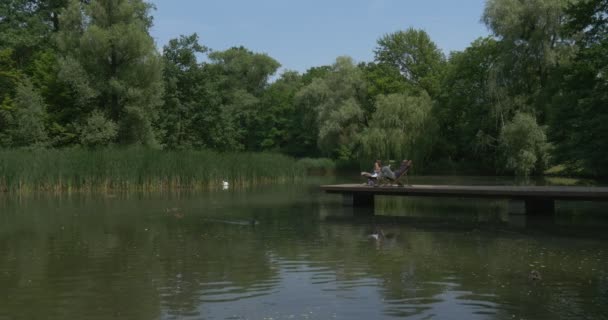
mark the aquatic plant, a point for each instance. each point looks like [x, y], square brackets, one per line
[138, 168]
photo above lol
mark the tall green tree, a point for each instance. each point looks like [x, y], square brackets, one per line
[238, 78]
[469, 129]
[27, 51]
[304, 128]
[533, 43]
[27, 126]
[402, 127]
[381, 79]
[337, 100]
[415, 55]
[184, 98]
[278, 120]
[110, 62]
[24, 28]
[578, 127]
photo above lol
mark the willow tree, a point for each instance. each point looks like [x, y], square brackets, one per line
[110, 62]
[337, 101]
[532, 43]
[523, 145]
[401, 128]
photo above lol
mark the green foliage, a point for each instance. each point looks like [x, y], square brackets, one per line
[532, 43]
[381, 79]
[243, 69]
[278, 119]
[464, 108]
[87, 72]
[304, 128]
[315, 72]
[110, 62]
[182, 75]
[523, 145]
[98, 130]
[138, 168]
[237, 80]
[533, 27]
[24, 28]
[416, 57]
[579, 128]
[401, 128]
[27, 128]
[9, 73]
[337, 99]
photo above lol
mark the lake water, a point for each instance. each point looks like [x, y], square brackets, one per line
[292, 252]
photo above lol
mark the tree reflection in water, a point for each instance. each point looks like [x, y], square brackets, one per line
[124, 257]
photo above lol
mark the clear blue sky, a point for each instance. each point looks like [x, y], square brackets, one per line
[305, 33]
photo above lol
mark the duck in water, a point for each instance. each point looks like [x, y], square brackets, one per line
[535, 275]
[377, 235]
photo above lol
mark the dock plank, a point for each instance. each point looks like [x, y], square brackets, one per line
[512, 192]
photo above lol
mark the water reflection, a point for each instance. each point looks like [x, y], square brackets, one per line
[303, 257]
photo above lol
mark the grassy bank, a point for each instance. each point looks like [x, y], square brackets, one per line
[113, 169]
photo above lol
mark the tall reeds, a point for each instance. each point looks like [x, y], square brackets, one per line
[103, 170]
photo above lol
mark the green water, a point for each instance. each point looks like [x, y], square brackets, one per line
[292, 252]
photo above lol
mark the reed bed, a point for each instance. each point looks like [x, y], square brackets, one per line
[133, 169]
[318, 165]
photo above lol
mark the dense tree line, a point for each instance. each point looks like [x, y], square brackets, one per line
[531, 95]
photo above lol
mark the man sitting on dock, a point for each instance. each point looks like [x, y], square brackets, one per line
[373, 176]
[398, 174]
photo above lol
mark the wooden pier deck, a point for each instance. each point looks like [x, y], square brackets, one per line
[538, 199]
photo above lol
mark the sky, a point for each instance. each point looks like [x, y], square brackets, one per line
[301, 34]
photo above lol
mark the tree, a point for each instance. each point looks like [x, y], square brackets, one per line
[23, 29]
[336, 100]
[381, 79]
[109, 60]
[401, 128]
[27, 128]
[184, 96]
[579, 128]
[237, 79]
[416, 57]
[523, 145]
[98, 130]
[532, 42]
[278, 124]
[304, 128]
[468, 126]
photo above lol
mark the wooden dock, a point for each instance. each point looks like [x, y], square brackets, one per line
[538, 199]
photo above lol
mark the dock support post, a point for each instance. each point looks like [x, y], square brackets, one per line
[361, 204]
[540, 206]
[363, 200]
[516, 207]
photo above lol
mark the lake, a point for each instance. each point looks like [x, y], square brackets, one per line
[293, 252]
